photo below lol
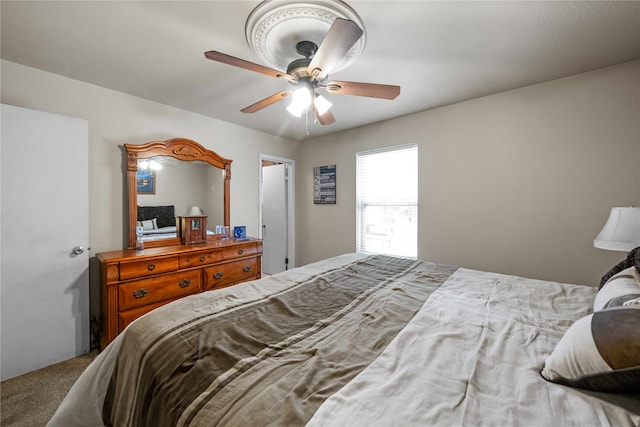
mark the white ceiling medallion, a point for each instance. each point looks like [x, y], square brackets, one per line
[274, 27]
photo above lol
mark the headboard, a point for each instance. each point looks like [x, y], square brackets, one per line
[165, 215]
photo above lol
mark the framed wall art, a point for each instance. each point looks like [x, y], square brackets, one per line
[146, 181]
[324, 185]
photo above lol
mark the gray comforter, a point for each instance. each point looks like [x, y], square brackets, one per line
[352, 340]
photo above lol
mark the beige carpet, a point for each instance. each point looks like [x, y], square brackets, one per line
[31, 399]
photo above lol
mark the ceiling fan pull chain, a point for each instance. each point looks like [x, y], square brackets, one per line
[306, 122]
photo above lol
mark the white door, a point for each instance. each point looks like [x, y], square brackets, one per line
[274, 219]
[45, 216]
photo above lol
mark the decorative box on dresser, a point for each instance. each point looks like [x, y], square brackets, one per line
[134, 282]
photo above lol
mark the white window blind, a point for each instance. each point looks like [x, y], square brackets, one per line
[387, 201]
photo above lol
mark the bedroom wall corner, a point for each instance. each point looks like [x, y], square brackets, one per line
[518, 182]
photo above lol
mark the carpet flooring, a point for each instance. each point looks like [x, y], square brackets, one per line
[30, 400]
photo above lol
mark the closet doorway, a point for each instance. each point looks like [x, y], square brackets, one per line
[277, 213]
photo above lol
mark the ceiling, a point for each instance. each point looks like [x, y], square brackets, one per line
[438, 52]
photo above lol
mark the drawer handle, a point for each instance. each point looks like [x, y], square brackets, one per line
[202, 258]
[184, 283]
[140, 293]
[240, 251]
[246, 268]
[218, 275]
[151, 266]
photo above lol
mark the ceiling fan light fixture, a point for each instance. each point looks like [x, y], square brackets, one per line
[322, 104]
[300, 101]
[294, 111]
[328, 51]
[302, 97]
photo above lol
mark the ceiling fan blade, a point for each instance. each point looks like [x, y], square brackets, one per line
[371, 90]
[263, 103]
[325, 119]
[237, 62]
[341, 36]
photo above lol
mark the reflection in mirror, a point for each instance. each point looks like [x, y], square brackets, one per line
[204, 186]
[169, 179]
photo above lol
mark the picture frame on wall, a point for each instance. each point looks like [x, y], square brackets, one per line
[146, 181]
[324, 185]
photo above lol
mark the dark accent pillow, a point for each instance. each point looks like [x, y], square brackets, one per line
[625, 285]
[165, 215]
[632, 260]
[600, 352]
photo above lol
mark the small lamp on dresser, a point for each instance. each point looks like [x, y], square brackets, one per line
[196, 211]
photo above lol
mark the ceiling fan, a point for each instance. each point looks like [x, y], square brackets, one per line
[311, 73]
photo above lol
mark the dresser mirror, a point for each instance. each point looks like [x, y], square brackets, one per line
[174, 178]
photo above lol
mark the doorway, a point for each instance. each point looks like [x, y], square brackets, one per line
[277, 213]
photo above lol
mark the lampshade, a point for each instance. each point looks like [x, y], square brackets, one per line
[622, 230]
[322, 105]
[195, 211]
[300, 100]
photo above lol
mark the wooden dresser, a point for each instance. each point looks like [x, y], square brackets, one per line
[135, 282]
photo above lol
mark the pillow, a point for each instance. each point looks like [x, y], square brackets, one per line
[623, 301]
[622, 287]
[149, 224]
[600, 352]
[632, 260]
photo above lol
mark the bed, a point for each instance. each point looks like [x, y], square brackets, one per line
[159, 223]
[365, 340]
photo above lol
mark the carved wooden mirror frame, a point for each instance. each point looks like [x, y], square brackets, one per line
[181, 149]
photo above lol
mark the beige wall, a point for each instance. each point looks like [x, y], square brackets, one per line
[518, 182]
[116, 118]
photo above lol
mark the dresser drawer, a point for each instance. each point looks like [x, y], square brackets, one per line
[223, 275]
[201, 258]
[152, 290]
[239, 251]
[132, 270]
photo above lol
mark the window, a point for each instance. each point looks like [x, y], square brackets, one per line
[387, 201]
